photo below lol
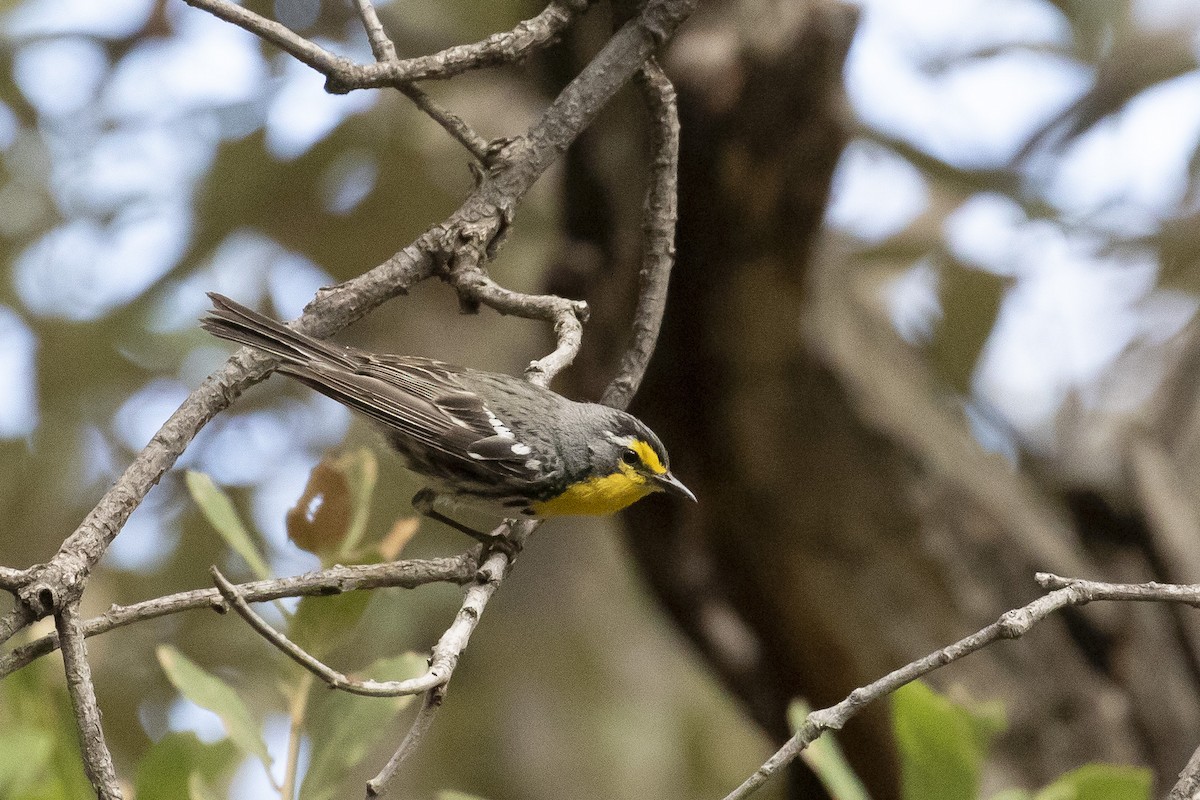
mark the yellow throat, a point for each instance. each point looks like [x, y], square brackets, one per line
[606, 494]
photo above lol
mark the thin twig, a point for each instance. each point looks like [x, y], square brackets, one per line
[334, 580]
[335, 679]
[445, 653]
[385, 51]
[97, 760]
[1188, 787]
[16, 619]
[12, 579]
[450, 646]
[378, 786]
[453, 124]
[568, 316]
[1011, 625]
[303, 50]
[343, 75]
[661, 210]
[381, 45]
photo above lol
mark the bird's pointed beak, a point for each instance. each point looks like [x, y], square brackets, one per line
[672, 485]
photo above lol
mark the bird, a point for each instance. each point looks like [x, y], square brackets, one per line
[480, 439]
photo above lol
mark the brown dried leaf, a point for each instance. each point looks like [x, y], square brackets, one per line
[321, 517]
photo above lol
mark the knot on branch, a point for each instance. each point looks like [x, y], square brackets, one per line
[1015, 624]
[41, 599]
[660, 19]
[343, 77]
[47, 591]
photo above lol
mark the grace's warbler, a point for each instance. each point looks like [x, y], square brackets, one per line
[479, 438]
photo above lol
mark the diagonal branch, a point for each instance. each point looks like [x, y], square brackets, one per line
[1066, 592]
[450, 647]
[295, 652]
[343, 75]
[381, 46]
[453, 124]
[385, 51]
[1188, 787]
[378, 786]
[334, 580]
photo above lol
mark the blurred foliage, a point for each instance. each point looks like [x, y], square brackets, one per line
[39, 751]
[943, 749]
[942, 744]
[826, 759]
[208, 691]
[218, 510]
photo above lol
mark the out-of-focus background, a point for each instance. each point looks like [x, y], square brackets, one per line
[930, 331]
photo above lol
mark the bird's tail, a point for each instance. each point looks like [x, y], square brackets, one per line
[233, 321]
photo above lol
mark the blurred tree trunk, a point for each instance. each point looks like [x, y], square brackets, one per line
[848, 521]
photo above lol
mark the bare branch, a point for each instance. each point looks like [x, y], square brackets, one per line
[97, 761]
[13, 621]
[335, 679]
[343, 75]
[1188, 787]
[335, 580]
[381, 45]
[448, 649]
[303, 50]
[12, 579]
[1011, 625]
[453, 124]
[385, 51]
[568, 316]
[658, 232]
[378, 786]
[507, 47]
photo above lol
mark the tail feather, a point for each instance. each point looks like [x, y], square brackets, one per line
[235, 322]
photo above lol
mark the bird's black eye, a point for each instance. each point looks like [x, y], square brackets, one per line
[631, 457]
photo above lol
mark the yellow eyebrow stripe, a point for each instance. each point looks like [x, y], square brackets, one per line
[648, 456]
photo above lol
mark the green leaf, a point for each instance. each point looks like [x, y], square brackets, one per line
[34, 708]
[1100, 782]
[361, 471]
[219, 511]
[1013, 794]
[450, 794]
[198, 789]
[322, 624]
[24, 759]
[170, 765]
[942, 745]
[825, 758]
[208, 691]
[345, 727]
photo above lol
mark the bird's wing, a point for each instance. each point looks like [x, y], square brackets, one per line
[424, 401]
